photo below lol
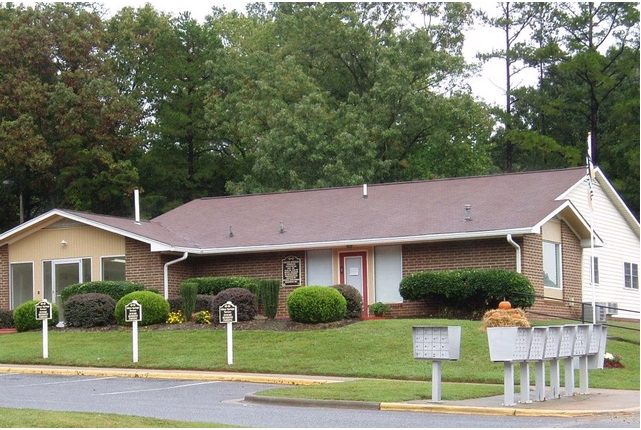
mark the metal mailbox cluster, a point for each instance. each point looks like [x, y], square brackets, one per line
[436, 344]
[582, 345]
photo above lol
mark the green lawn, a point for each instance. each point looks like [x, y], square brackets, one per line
[32, 418]
[380, 349]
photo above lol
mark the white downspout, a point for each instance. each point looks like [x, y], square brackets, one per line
[518, 252]
[167, 264]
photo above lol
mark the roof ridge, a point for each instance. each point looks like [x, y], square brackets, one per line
[415, 181]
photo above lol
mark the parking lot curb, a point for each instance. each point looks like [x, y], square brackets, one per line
[146, 373]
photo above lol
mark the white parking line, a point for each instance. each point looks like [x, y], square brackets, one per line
[157, 389]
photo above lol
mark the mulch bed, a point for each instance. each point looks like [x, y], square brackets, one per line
[283, 324]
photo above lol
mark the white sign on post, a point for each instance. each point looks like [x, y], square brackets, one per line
[133, 314]
[228, 314]
[44, 313]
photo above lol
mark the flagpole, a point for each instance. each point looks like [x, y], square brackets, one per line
[591, 206]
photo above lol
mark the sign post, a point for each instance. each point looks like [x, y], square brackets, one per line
[227, 314]
[44, 313]
[133, 314]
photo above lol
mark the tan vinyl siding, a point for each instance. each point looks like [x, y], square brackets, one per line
[82, 242]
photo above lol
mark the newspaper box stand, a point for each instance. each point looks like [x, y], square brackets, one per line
[511, 345]
[436, 344]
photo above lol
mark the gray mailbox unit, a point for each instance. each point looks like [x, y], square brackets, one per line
[510, 345]
[436, 344]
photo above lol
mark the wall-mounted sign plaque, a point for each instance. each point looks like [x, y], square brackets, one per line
[291, 271]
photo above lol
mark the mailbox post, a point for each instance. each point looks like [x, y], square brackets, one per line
[44, 313]
[437, 344]
[133, 314]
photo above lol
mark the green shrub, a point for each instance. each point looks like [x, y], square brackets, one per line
[6, 319]
[379, 309]
[188, 292]
[114, 289]
[214, 285]
[353, 298]
[155, 309]
[269, 294]
[315, 304]
[90, 310]
[469, 289]
[24, 316]
[204, 302]
[244, 300]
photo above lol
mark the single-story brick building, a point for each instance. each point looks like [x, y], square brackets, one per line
[537, 223]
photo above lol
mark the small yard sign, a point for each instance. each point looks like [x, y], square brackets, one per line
[228, 313]
[44, 313]
[133, 314]
[43, 310]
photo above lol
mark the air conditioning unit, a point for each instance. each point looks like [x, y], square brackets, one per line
[613, 308]
[601, 309]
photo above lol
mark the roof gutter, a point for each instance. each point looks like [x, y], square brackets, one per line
[166, 277]
[518, 252]
[353, 242]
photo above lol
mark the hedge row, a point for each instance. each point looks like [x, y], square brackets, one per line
[469, 289]
[114, 289]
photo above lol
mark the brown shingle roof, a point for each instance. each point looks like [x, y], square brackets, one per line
[391, 211]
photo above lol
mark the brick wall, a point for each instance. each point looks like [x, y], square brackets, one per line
[571, 270]
[4, 277]
[266, 265]
[478, 254]
[143, 266]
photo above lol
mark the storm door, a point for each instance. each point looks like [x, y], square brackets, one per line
[353, 270]
[60, 274]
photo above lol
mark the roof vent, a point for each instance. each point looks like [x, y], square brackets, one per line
[282, 227]
[231, 233]
[364, 191]
[468, 212]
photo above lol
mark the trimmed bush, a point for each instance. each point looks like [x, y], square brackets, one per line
[114, 289]
[244, 300]
[470, 289]
[155, 309]
[214, 285]
[188, 292]
[204, 302]
[353, 298]
[6, 319]
[316, 304]
[90, 310]
[24, 316]
[269, 294]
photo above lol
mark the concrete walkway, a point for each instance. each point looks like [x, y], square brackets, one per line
[596, 402]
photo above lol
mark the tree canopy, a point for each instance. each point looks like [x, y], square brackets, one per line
[301, 95]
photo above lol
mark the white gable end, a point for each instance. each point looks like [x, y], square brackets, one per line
[620, 245]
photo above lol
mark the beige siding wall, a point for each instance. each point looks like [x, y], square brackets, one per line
[82, 242]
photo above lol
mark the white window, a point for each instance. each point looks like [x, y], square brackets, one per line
[388, 265]
[319, 267]
[21, 283]
[113, 268]
[552, 264]
[595, 270]
[631, 275]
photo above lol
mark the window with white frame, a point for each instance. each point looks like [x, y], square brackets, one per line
[631, 275]
[21, 279]
[552, 264]
[595, 270]
[113, 268]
